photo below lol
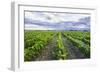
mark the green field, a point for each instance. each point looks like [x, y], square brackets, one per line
[56, 45]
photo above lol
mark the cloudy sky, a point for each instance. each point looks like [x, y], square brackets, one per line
[56, 21]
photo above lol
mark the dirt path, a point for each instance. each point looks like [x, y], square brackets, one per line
[46, 53]
[74, 52]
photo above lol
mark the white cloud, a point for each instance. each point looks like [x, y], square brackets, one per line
[34, 16]
[36, 27]
[53, 18]
[70, 17]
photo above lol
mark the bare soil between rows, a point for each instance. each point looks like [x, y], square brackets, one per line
[46, 53]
